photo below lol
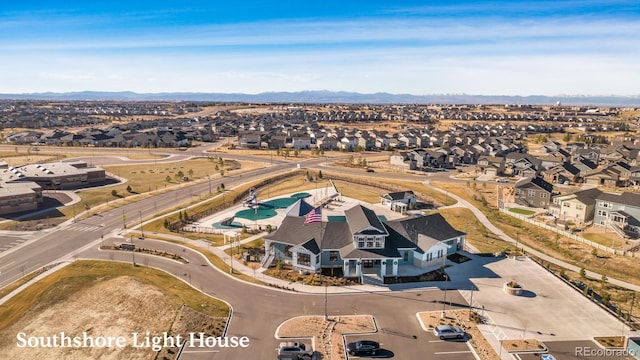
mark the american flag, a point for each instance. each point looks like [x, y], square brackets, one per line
[315, 215]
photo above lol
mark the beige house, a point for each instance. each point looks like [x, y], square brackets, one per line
[578, 207]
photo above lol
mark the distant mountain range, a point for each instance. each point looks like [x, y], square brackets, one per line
[324, 96]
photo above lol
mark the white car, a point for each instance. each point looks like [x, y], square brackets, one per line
[502, 180]
[448, 332]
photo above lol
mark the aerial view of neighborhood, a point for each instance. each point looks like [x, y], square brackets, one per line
[172, 187]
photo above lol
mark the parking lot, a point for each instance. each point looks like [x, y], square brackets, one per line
[572, 350]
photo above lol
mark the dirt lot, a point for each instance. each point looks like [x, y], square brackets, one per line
[115, 307]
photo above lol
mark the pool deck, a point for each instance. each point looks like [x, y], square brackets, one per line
[334, 208]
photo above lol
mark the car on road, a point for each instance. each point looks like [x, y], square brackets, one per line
[363, 347]
[448, 332]
[293, 350]
[370, 170]
[502, 180]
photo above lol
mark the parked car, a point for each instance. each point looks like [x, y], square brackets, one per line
[502, 180]
[448, 332]
[293, 350]
[363, 347]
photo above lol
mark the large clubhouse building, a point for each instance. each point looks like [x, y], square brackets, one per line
[360, 243]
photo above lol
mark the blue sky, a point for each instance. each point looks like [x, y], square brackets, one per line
[416, 47]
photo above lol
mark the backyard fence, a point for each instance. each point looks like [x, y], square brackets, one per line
[569, 234]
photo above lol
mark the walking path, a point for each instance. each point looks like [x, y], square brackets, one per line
[483, 219]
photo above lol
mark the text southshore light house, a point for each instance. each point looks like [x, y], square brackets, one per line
[361, 244]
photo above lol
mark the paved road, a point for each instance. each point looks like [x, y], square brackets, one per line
[258, 310]
[62, 242]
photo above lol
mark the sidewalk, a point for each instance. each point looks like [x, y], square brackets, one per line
[483, 219]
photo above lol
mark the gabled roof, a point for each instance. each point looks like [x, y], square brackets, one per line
[398, 195]
[587, 197]
[434, 226]
[535, 182]
[299, 208]
[626, 198]
[361, 220]
[311, 246]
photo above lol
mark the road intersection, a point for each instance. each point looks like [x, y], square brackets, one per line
[257, 310]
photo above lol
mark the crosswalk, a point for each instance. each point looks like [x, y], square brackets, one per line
[83, 227]
[16, 242]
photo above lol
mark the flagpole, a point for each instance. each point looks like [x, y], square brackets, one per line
[326, 312]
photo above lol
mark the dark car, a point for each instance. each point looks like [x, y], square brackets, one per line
[370, 170]
[363, 347]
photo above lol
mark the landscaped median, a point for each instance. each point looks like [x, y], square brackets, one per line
[468, 320]
[327, 334]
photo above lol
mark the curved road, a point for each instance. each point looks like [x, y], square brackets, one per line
[258, 310]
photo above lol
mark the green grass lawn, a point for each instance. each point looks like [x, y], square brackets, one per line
[522, 211]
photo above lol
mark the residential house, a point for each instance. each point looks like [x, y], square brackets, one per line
[620, 212]
[562, 174]
[533, 192]
[491, 165]
[402, 160]
[399, 201]
[578, 207]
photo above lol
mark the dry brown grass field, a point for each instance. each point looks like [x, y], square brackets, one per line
[105, 299]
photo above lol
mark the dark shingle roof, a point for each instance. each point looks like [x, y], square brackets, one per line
[537, 181]
[398, 195]
[588, 196]
[312, 246]
[625, 198]
[294, 231]
[299, 208]
[360, 218]
[433, 225]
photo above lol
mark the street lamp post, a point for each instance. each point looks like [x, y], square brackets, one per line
[444, 300]
[326, 313]
[516, 244]
[133, 252]
[141, 229]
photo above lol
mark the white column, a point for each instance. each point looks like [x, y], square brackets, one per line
[345, 268]
[359, 268]
[394, 271]
[383, 268]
